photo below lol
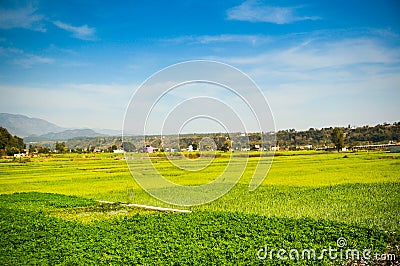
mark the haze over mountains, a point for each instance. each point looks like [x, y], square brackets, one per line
[36, 129]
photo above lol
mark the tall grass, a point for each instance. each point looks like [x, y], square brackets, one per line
[356, 188]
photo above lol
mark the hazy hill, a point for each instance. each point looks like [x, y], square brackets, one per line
[63, 135]
[109, 132]
[23, 126]
[36, 129]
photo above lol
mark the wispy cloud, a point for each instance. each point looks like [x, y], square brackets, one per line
[22, 17]
[27, 17]
[20, 57]
[315, 54]
[254, 11]
[222, 38]
[8, 51]
[386, 33]
[55, 49]
[29, 59]
[82, 32]
[359, 73]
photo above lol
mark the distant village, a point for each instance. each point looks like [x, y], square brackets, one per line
[380, 137]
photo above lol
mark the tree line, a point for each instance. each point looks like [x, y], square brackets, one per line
[289, 139]
[353, 136]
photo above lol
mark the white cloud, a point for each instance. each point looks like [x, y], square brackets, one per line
[385, 33]
[311, 55]
[83, 32]
[23, 17]
[69, 105]
[9, 51]
[53, 48]
[305, 81]
[28, 18]
[369, 100]
[29, 59]
[222, 38]
[26, 60]
[253, 11]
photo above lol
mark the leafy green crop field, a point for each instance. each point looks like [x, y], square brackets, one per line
[50, 214]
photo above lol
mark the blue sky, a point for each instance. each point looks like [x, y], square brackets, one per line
[319, 63]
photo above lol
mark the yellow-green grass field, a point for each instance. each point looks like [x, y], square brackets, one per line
[356, 188]
[309, 200]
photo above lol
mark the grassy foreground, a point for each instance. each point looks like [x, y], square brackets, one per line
[308, 200]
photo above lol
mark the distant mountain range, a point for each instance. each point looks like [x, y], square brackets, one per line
[63, 135]
[23, 126]
[36, 129]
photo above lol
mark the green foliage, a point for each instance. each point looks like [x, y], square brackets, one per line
[9, 145]
[337, 137]
[37, 149]
[128, 146]
[353, 136]
[381, 133]
[112, 148]
[60, 147]
[32, 237]
[35, 201]
[226, 146]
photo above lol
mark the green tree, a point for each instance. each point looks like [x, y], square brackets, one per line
[128, 146]
[60, 147]
[337, 138]
[10, 144]
[112, 148]
[156, 143]
[33, 148]
[226, 146]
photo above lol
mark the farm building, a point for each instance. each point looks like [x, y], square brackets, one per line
[148, 149]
